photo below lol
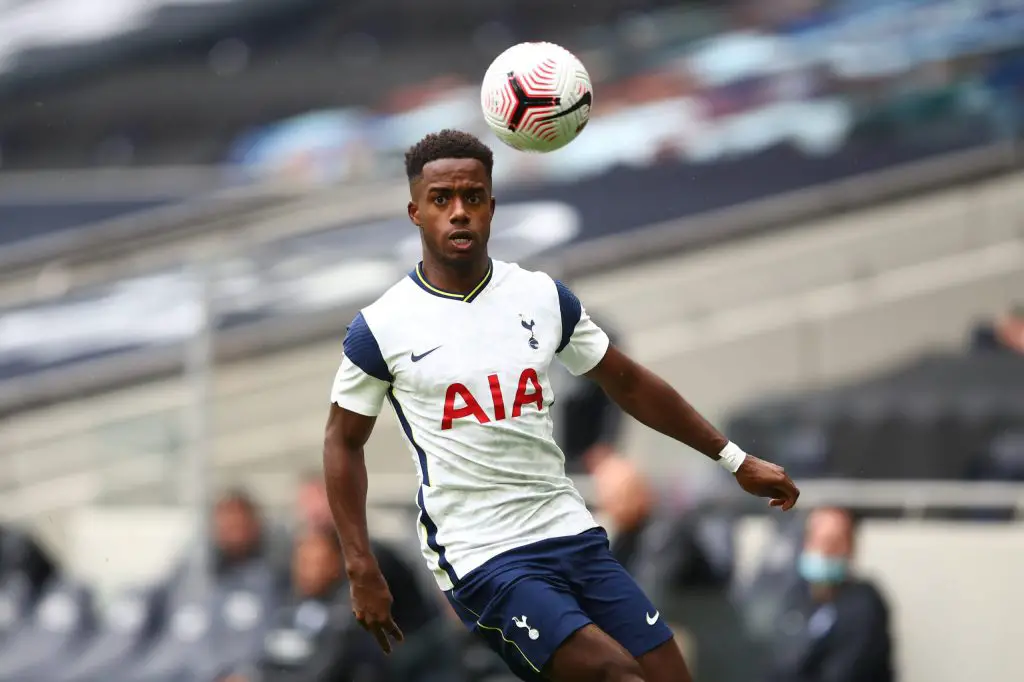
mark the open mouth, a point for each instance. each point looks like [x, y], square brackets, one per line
[461, 239]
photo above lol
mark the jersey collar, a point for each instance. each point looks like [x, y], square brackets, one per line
[420, 278]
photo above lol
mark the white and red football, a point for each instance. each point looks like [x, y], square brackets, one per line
[536, 97]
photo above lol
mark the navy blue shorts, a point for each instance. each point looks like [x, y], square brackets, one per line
[527, 601]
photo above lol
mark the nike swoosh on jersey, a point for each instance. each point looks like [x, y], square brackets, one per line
[651, 620]
[417, 358]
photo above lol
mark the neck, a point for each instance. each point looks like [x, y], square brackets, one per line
[822, 594]
[458, 278]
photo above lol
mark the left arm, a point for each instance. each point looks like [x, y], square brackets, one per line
[649, 399]
[584, 349]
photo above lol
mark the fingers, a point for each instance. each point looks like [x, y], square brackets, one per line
[383, 632]
[765, 479]
[382, 639]
[394, 631]
[785, 495]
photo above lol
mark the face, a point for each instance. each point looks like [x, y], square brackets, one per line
[828, 546]
[314, 510]
[1010, 329]
[316, 565]
[236, 528]
[452, 205]
[829, 533]
[622, 492]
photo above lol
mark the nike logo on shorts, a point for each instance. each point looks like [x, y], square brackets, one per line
[651, 620]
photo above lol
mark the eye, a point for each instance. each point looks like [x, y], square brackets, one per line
[440, 200]
[474, 198]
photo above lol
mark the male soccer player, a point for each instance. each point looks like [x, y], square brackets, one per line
[461, 349]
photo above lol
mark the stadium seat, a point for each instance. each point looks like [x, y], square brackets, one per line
[1004, 456]
[125, 627]
[938, 417]
[763, 599]
[15, 604]
[793, 434]
[172, 655]
[854, 438]
[802, 444]
[724, 650]
[21, 553]
[208, 634]
[243, 608]
[920, 426]
[58, 629]
[478, 662]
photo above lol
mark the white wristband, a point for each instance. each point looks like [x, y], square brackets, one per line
[731, 457]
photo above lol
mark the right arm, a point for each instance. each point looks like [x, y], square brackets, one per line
[356, 399]
[345, 474]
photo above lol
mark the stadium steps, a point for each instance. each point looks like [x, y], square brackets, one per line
[843, 248]
[269, 412]
[268, 415]
[829, 335]
[271, 214]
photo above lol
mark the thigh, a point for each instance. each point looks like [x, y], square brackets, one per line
[591, 655]
[665, 663]
[523, 616]
[609, 595]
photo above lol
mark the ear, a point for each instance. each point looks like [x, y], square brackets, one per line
[492, 207]
[414, 213]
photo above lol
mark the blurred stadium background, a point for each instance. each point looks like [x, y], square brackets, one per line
[808, 215]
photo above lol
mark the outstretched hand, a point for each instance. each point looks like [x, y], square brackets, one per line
[371, 604]
[765, 479]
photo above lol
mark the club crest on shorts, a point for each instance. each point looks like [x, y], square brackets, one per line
[520, 622]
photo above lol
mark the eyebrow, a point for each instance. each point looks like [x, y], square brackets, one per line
[450, 188]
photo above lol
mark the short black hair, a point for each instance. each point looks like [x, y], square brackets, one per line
[240, 497]
[447, 144]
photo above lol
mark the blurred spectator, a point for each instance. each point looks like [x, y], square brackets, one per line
[237, 529]
[683, 558]
[414, 606]
[665, 547]
[1005, 334]
[311, 513]
[214, 622]
[313, 509]
[245, 585]
[314, 636]
[417, 605]
[838, 627]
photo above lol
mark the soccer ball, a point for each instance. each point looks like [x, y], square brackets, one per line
[536, 97]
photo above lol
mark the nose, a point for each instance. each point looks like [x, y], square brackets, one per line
[458, 214]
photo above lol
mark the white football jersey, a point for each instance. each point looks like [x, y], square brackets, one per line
[467, 376]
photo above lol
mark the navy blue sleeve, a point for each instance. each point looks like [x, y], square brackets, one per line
[571, 310]
[362, 349]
